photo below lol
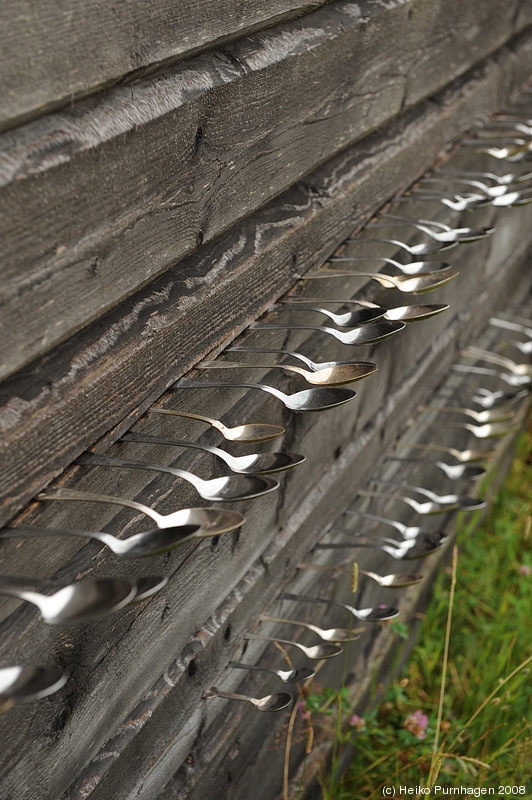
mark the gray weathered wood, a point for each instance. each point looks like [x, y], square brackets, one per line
[99, 200]
[53, 53]
[58, 408]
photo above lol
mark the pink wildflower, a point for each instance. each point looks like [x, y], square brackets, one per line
[417, 723]
[525, 570]
[357, 722]
[303, 713]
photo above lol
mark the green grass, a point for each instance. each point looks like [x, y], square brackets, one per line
[485, 734]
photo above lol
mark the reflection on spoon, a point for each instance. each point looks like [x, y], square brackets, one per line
[272, 702]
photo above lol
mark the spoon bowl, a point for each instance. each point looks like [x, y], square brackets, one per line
[249, 432]
[19, 684]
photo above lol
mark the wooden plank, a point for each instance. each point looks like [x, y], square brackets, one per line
[99, 200]
[54, 53]
[52, 412]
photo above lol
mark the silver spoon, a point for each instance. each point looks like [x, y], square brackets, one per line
[350, 319]
[249, 432]
[365, 614]
[147, 586]
[318, 399]
[501, 179]
[286, 675]
[464, 456]
[456, 202]
[462, 503]
[486, 355]
[252, 464]
[78, 602]
[392, 581]
[428, 508]
[417, 285]
[337, 375]
[488, 415]
[412, 268]
[19, 684]
[408, 550]
[456, 472]
[490, 399]
[523, 347]
[406, 531]
[364, 368]
[140, 545]
[316, 653]
[490, 191]
[511, 326]
[509, 378]
[235, 487]
[369, 334]
[399, 313]
[421, 249]
[491, 430]
[271, 702]
[508, 200]
[328, 635]
[211, 521]
[445, 234]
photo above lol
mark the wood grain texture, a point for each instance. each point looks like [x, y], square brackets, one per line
[53, 53]
[63, 402]
[100, 199]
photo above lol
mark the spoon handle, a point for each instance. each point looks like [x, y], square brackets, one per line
[192, 383]
[77, 494]
[307, 599]
[148, 439]
[214, 692]
[244, 365]
[33, 533]
[292, 353]
[397, 525]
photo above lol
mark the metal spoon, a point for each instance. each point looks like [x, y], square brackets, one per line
[328, 635]
[445, 234]
[510, 379]
[523, 347]
[147, 586]
[417, 285]
[412, 268]
[511, 326]
[490, 191]
[399, 313]
[486, 355]
[350, 319]
[489, 431]
[488, 415]
[463, 503]
[456, 202]
[365, 368]
[455, 472]
[308, 400]
[464, 456]
[316, 653]
[19, 684]
[271, 702]
[235, 487]
[252, 464]
[211, 521]
[250, 432]
[508, 200]
[393, 581]
[141, 545]
[422, 249]
[406, 531]
[78, 602]
[408, 550]
[366, 614]
[369, 334]
[428, 508]
[501, 179]
[489, 399]
[328, 376]
[286, 675]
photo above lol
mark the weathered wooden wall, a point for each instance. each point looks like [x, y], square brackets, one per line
[164, 178]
